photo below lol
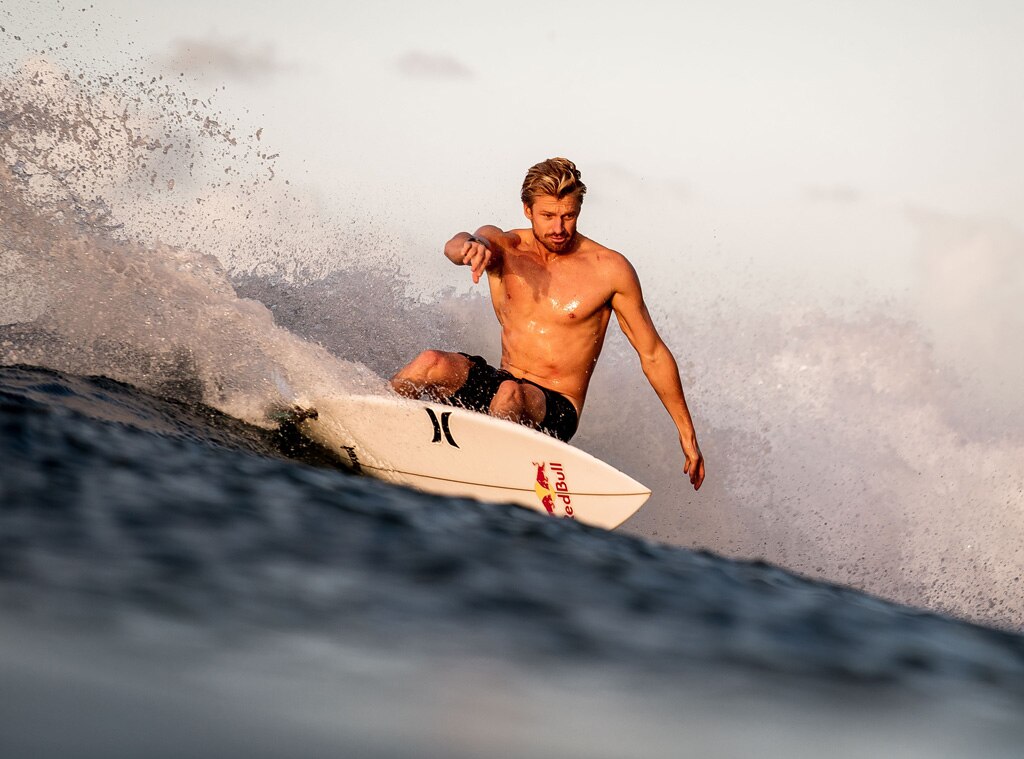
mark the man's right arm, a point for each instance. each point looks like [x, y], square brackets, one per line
[481, 250]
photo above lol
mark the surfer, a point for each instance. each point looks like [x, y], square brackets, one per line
[553, 291]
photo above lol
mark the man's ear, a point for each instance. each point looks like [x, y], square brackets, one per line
[528, 211]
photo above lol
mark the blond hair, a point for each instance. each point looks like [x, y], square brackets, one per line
[556, 176]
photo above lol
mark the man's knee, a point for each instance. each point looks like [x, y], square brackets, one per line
[511, 402]
[432, 371]
[427, 363]
[510, 395]
[519, 402]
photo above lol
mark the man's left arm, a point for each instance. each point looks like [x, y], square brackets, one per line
[658, 363]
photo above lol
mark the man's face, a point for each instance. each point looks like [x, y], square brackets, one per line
[554, 220]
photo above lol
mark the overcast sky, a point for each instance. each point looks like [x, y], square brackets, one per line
[916, 102]
[913, 101]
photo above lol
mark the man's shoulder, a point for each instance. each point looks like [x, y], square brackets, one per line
[603, 255]
[610, 267]
[519, 236]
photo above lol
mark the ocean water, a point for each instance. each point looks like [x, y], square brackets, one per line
[179, 575]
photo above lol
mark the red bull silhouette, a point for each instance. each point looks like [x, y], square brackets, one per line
[543, 489]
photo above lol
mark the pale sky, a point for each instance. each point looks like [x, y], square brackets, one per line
[909, 102]
[913, 101]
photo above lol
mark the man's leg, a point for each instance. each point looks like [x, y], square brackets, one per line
[519, 402]
[437, 373]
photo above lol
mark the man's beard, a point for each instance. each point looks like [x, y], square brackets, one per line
[558, 247]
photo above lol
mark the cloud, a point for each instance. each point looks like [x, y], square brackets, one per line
[624, 180]
[420, 65]
[842, 194]
[239, 59]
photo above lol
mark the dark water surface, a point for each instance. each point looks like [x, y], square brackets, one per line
[175, 582]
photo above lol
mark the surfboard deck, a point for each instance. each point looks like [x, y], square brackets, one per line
[456, 452]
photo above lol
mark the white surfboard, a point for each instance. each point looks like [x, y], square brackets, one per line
[451, 451]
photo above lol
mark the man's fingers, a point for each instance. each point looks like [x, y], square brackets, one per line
[476, 256]
[479, 261]
[473, 253]
[694, 467]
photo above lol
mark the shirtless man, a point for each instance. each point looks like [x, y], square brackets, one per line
[553, 291]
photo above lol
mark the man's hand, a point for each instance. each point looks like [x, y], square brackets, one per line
[476, 254]
[694, 465]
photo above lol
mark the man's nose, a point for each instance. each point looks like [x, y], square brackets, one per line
[559, 226]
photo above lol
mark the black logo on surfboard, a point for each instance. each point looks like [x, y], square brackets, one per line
[441, 427]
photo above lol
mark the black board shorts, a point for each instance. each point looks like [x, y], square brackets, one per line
[560, 418]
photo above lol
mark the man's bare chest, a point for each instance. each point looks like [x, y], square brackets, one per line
[563, 291]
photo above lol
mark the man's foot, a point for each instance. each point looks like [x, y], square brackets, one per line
[292, 415]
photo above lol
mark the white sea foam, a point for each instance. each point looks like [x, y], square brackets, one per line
[92, 287]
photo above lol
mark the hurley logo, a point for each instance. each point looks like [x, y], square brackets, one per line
[547, 494]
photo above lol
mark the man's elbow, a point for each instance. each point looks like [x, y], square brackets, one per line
[453, 248]
[658, 357]
[649, 362]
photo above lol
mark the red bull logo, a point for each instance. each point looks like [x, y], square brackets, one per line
[549, 494]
